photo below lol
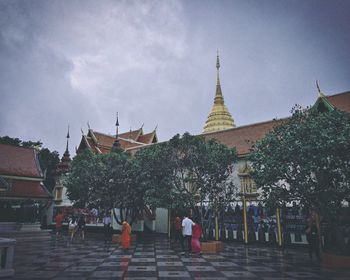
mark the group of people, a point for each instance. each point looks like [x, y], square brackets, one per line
[188, 233]
[77, 226]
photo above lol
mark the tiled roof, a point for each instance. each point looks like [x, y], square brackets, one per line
[147, 138]
[341, 101]
[245, 136]
[19, 161]
[133, 135]
[242, 138]
[100, 142]
[27, 189]
[104, 139]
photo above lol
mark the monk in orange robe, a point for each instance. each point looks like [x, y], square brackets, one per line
[126, 235]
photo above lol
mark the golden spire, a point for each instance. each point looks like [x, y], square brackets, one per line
[219, 117]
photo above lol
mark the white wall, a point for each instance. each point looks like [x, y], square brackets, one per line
[162, 219]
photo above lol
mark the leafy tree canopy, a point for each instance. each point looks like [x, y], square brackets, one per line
[171, 174]
[48, 160]
[306, 160]
[106, 181]
[184, 170]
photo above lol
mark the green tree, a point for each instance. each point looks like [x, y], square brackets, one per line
[306, 160]
[106, 181]
[85, 177]
[186, 171]
[48, 162]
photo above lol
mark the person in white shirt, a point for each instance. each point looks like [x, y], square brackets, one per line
[107, 221]
[187, 224]
[72, 227]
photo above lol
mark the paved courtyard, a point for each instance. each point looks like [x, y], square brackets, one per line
[155, 258]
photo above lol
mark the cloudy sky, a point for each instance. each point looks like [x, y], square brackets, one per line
[72, 62]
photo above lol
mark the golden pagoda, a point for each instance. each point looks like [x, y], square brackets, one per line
[219, 117]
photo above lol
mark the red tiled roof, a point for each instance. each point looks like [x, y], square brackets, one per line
[341, 101]
[245, 136]
[28, 189]
[134, 135]
[105, 150]
[127, 140]
[242, 138]
[146, 138]
[19, 161]
[103, 139]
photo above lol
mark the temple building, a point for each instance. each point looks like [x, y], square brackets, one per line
[23, 196]
[242, 139]
[220, 126]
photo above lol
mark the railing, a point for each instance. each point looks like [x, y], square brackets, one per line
[7, 248]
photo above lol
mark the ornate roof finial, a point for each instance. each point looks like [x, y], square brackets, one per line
[67, 140]
[217, 60]
[116, 144]
[219, 99]
[320, 93]
[117, 122]
[88, 124]
[64, 165]
[217, 68]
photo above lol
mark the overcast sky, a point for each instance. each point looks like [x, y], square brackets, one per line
[72, 62]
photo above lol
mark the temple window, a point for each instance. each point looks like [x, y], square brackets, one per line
[58, 194]
[248, 185]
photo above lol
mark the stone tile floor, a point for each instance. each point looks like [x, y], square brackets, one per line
[153, 257]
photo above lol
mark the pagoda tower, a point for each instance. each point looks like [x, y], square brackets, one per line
[219, 117]
[64, 166]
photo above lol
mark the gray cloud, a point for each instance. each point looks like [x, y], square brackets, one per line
[154, 61]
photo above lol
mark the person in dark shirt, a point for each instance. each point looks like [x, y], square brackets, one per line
[313, 240]
[81, 226]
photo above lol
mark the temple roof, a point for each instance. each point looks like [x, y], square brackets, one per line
[243, 137]
[19, 161]
[102, 143]
[219, 117]
[20, 168]
[27, 189]
[340, 101]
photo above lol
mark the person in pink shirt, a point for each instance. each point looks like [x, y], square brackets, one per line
[196, 235]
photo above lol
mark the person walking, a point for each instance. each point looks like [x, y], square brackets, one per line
[72, 227]
[187, 224]
[81, 226]
[178, 232]
[312, 239]
[107, 226]
[58, 220]
[196, 235]
[126, 235]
